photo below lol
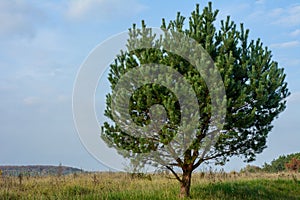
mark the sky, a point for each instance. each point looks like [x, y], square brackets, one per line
[44, 43]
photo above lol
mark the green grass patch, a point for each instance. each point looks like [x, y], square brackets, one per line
[251, 189]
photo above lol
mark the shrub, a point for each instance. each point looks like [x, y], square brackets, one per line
[251, 169]
[293, 165]
[279, 164]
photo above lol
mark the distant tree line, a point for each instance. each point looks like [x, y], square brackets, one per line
[37, 170]
[289, 162]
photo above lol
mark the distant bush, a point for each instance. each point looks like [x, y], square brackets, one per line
[281, 163]
[141, 176]
[251, 169]
[293, 165]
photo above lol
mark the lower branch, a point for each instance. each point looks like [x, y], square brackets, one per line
[174, 173]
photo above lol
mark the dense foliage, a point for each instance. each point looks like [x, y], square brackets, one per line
[279, 164]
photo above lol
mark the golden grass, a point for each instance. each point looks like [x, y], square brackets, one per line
[108, 185]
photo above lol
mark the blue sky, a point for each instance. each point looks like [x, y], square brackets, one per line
[43, 44]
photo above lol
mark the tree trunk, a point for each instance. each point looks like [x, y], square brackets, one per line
[185, 183]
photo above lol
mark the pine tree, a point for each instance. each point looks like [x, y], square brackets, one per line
[255, 95]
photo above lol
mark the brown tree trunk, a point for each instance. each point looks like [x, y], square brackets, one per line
[186, 182]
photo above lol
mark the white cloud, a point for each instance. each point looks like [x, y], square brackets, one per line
[102, 9]
[78, 9]
[238, 9]
[47, 99]
[62, 98]
[291, 62]
[6, 86]
[31, 100]
[286, 44]
[260, 1]
[295, 33]
[19, 18]
[290, 16]
[277, 12]
[46, 56]
[285, 16]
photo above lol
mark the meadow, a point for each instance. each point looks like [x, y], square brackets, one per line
[109, 185]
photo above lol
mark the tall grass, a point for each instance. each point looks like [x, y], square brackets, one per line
[209, 185]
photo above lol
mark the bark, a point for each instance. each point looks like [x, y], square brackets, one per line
[186, 182]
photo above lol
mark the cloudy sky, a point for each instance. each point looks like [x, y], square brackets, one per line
[43, 44]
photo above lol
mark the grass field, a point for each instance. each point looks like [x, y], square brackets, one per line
[107, 185]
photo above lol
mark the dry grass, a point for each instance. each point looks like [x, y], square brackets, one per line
[161, 186]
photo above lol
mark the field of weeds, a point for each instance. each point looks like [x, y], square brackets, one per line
[108, 185]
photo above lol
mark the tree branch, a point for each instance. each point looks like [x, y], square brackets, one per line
[174, 173]
[174, 164]
[195, 154]
[173, 153]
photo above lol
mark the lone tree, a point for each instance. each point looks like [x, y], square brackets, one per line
[255, 95]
